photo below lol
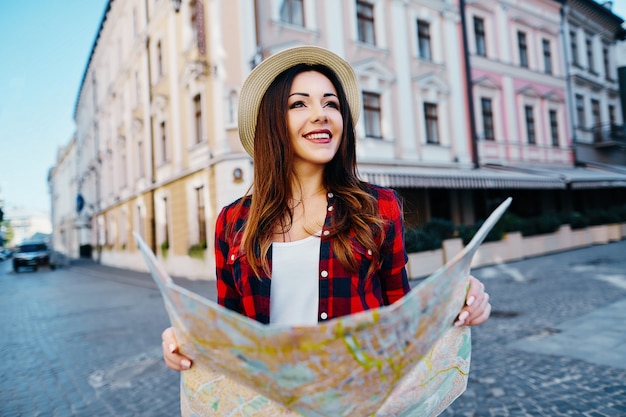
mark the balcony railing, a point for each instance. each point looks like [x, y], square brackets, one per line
[608, 135]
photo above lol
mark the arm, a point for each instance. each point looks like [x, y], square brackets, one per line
[392, 272]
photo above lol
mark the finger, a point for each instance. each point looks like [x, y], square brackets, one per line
[478, 308]
[482, 318]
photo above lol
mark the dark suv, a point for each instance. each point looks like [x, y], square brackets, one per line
[31, 254]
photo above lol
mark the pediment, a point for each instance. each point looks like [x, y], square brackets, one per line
[528, 91]
[486, 82]
[373, 69]
[432, 81]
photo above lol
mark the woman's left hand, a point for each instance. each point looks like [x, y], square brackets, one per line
[477, 308]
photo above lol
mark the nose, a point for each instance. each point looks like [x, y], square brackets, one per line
[318, 114]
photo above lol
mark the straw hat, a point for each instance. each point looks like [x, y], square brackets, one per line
[259, 80]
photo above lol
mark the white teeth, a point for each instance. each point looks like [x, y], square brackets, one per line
[317, 136]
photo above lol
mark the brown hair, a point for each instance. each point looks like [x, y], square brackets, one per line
[355, 208]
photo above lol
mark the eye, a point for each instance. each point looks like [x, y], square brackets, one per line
[296, 104]
[333, 105]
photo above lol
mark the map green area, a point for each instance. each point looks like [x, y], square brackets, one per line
[406, 359]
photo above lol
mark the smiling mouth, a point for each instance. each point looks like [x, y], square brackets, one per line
[318, 137]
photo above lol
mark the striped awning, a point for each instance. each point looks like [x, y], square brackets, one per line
[459, 178]
[585, 178]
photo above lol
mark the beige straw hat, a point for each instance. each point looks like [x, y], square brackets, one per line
[259, 80]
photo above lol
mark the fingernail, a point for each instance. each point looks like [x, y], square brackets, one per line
[470, 300]
[463, 316]
[185, 364]
[172, 347]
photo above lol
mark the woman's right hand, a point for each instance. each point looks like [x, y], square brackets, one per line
[173, 359]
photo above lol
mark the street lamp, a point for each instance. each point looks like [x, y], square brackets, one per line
[176, 4]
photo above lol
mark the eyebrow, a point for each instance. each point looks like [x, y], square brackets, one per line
[307, 94]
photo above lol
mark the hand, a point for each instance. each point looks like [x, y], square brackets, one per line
[477, 308]
[173, 359]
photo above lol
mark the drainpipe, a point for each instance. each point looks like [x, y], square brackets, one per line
[568, 79]
[153, 244]
[470, 92]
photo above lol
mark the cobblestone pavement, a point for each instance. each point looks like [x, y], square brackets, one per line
[84, 340]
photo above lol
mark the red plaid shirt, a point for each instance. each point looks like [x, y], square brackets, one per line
[341, 292]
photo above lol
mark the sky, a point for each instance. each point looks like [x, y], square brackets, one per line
[44, 49]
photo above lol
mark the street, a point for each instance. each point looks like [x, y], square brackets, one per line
[84, 340]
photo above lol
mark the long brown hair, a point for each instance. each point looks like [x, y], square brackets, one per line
[355, 209]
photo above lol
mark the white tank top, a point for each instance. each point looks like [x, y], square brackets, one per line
[294, 292]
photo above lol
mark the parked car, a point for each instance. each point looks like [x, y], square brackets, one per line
[31, 254]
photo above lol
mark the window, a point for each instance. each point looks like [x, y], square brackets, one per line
[580, 110]
[166, 226]
[292, 11]
[547, 56]
[487, 112]
[479, 34]
[589, 45]
[430, 117]
[140, 222]
[197, 118]
[137, 89]
[574, 47]
[123, 162]
[159, 59]
[523, 49]
[140, 167]
[554, 128]
[365, 22]
[423, 39]
[372, 115]
[201, 215]
[612, 115]
[595, 120]
[530, 125]
[607, 63]
[163, 135]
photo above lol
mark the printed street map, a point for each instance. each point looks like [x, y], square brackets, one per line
[406, 359]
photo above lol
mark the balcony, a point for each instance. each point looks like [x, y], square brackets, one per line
[609, 135]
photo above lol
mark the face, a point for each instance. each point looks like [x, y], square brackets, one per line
[314, 119]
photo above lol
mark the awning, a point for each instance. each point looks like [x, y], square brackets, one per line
[581, 178]
[457, 178]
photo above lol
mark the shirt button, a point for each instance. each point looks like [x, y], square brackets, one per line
[330, 208]
[326, 232]
[324, 274]
[324, 316]
[369, 252]
[330, 195]
[232, 257]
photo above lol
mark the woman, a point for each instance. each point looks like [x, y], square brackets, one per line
[311, 242]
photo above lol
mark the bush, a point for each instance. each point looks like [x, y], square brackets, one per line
[197, 250]
[417, 240]
[510, 223]
[441, 229]
[599, 217]
[540, 225]
[576, 220]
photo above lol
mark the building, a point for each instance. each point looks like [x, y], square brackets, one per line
[157, 152]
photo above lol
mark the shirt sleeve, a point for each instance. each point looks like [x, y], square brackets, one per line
[392, 273]
[227, 292]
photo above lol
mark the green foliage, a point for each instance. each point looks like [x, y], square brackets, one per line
[540, 225]
[197, 251]
[598, 217]
[576, 220]
[165, 247]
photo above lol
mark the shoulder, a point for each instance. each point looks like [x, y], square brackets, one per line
[236, 210]
[389, 202]
[382, 194]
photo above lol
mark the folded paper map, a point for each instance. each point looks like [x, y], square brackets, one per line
[406, 359]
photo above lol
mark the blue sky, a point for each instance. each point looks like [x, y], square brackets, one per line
[44, 48]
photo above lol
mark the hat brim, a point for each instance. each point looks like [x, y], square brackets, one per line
[261, 77]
